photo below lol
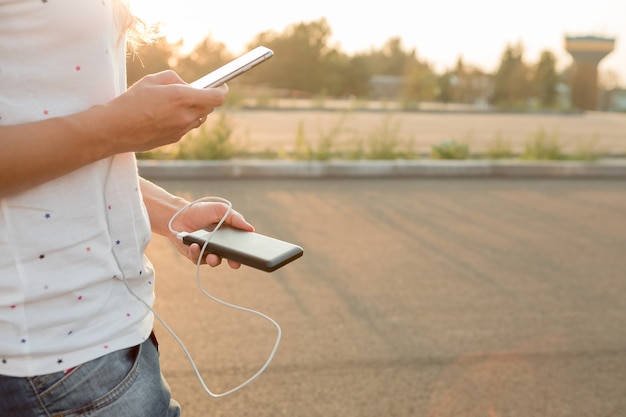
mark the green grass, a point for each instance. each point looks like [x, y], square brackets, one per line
[499, 148]
[543, 146]
[450, 149]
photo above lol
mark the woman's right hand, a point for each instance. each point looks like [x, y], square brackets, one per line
[157, 110]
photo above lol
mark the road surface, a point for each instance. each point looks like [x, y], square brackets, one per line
[414, 297]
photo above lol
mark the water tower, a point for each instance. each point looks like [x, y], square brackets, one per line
[587, 52]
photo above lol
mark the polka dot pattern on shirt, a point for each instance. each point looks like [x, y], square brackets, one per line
[100, 231]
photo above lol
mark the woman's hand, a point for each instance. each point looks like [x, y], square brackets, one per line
[162, 205]
[158, 110]
[202, 215]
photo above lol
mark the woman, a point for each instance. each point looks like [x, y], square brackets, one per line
[75, 217]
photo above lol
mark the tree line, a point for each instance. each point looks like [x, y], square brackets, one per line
[307, 65]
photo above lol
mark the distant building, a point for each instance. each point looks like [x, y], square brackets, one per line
[613, 100]
[386, 86]
[587, 52]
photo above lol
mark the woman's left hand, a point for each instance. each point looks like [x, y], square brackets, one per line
[199, 216]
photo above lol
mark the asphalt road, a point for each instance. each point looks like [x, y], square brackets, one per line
[414, 297]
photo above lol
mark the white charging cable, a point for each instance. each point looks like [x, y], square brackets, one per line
[180, 235]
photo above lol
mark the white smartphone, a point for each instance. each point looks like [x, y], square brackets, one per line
[248, 248]
[234, 68]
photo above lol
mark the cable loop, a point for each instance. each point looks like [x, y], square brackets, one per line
[179, 234]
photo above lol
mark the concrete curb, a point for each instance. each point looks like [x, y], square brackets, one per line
[609, 168]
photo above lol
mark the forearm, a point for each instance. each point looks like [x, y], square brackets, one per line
[156, 111]
[33, 153]
[161, 206]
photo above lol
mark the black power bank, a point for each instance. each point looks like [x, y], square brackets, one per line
[248, 248]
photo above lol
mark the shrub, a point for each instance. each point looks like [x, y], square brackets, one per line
[354, 149]
[587, 150]
[499, 148]
[543, 146]
[303, 150]
[212, 142]
[326, 145]
[385, 142]
[329, 139]
[450, 149]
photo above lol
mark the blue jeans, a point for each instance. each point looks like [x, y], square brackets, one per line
[126, 383]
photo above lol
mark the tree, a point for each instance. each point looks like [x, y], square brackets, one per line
[205, 57]
[420, 82]
[445, 85]
[302, 52]
[391, 59]
[342, 75]
[356, 76]
[464, 84]
[546, 79]
[416, 80]
[511, 81]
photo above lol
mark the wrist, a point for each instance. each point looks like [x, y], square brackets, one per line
[109, 130]
[96, 130]
[161, 206]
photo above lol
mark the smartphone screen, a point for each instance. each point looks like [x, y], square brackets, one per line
[234, 68]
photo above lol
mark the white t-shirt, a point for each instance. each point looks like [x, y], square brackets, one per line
[66, 246]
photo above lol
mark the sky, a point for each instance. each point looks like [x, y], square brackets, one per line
[441, 31]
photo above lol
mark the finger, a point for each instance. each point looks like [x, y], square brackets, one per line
[213, 260]
[196, 123]
[233, 264]
[237, 220]
[164, 78]
[222, 89]
[206, 99]
[194, 252]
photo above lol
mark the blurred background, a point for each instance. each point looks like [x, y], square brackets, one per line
[416, 296]
[496, 55]
[445, 80]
